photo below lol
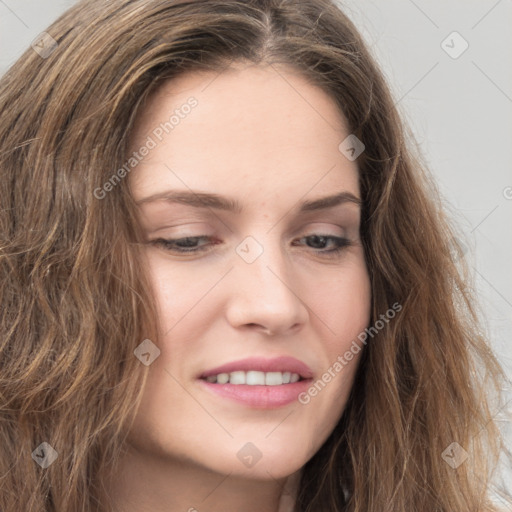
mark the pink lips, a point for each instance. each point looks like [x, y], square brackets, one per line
[261, 397]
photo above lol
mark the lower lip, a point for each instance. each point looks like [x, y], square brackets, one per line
[262, 397]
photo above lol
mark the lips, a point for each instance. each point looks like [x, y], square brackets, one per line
[270, 395]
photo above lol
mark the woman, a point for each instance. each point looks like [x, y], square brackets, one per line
[227, 284]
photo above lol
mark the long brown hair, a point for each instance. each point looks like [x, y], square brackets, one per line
[76, 302]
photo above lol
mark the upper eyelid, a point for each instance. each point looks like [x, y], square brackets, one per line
[340, 223]
[294, 236]
[346, 212]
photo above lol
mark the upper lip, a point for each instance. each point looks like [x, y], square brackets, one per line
[261, 364]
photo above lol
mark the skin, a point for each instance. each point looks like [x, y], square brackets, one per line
[265, 136]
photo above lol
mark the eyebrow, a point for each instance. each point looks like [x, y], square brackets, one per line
[206, 200]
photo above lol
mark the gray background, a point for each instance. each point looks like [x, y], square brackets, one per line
[460, 111]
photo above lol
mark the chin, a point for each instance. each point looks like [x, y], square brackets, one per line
[264, 459]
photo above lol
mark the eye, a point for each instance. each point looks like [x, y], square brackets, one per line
[182, 245]
[340, 243]
[189, 244]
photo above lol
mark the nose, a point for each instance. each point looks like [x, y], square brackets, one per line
[266, 294]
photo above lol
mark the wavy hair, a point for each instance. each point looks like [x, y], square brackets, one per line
[76, 301]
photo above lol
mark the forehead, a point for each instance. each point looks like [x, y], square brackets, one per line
[253, 130]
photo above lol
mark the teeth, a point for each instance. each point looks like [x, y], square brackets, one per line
[223, 378]
[253, 378]
[273, 378]
[237, 378]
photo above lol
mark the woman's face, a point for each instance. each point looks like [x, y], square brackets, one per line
[258, 288]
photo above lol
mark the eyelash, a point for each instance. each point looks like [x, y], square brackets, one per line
[169, 244]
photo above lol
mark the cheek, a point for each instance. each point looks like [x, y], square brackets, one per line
[177, 290]
[344, 305]
[344, 311]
